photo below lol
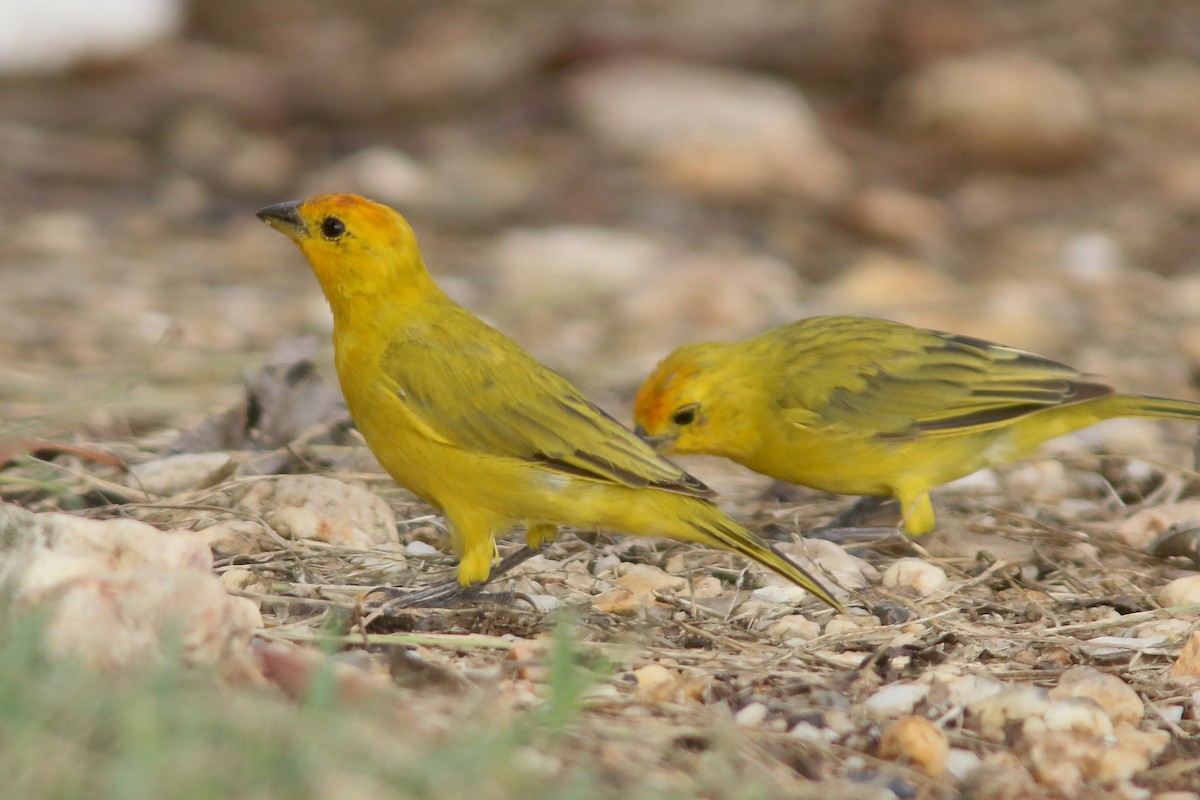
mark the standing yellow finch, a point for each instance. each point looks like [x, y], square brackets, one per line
[467, 420]
[869, 407]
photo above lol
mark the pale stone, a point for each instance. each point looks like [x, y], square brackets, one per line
[918, 742]
[1116, 697]
[916, 574]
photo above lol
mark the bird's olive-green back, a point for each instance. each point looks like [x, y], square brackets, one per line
[902, 382]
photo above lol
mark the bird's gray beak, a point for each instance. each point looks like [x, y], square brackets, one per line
[657, 442]
[285, 218]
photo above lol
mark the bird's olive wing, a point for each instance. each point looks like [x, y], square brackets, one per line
[904, 382]
[486, 394]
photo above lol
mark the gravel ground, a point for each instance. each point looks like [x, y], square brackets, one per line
[605, 182]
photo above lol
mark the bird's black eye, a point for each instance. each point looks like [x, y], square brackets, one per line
[686, 415]
[332, 228]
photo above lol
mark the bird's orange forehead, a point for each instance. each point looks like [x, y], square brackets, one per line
[362, 209]
[659, 396]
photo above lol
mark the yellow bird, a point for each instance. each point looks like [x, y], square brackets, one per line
[466, 419]
[869, 407]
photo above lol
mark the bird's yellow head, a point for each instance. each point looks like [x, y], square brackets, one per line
[675, 408]
[356, 246]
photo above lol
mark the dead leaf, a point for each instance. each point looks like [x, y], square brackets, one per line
[12, 449]
[284, 399]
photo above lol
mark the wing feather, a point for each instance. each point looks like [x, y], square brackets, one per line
[499, 400]
[906, 382]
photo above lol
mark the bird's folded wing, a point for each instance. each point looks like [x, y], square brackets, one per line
[487, 395]
[907, 382]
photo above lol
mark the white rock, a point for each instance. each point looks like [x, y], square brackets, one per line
[916, 574]
[120, 593]
[793, 627]
[1075, 714]
[1068, 761]
[382, 173]
[822, 557]
[47, 35]
[787, 594]
[900, 216]
[175, 474]
[549, 265]
[811, 733]
[1180, 592]
[52, 549]
[1013, 704]
[895, 699]
[1148, 524]
[239, 579]
[543, 603]
[1186, 669]
[1162, 630]
[419, 548]
[234, 537]
[1118, 700]
[964, 690]
[716, 132]
[844, 623]
[320, 508]
[1113, 645]
[751, 715]
[1171, 713]
[700, 296]
[1004, 108]
[879, 281]
[134, 617]
[960, 763]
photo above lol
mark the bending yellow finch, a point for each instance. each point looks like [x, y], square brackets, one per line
[463, 417]
[869, 407]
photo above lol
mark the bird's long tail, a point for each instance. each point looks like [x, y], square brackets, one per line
[718, 530]
[1063, 419]
[1129, 405]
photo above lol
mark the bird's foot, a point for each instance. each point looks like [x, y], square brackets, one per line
[864, 510]
[848, 535]
[451, 592]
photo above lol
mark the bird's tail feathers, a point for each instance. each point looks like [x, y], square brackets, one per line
[730, 536]
[1165, 407]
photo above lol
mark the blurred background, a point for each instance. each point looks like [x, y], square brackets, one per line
[603, 181]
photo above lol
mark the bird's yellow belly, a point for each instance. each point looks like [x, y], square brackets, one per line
[846, 464]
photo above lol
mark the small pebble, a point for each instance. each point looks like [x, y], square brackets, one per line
[960, 763]
[811, 733]
[1118, 700]
[323, 509]
[1075, 714]
[544, 603]
[844, 624]
[1180, 592]
[419, 548]
[916, 574]
[752, 715]
[1163, 630]
[784, 594]
[1186, 668]
[175, 474]
[1115, 645]
[793, 627]
[918, 742]
[1013, 704]
[1146, 525]
[1010, 109]
[895, 699]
